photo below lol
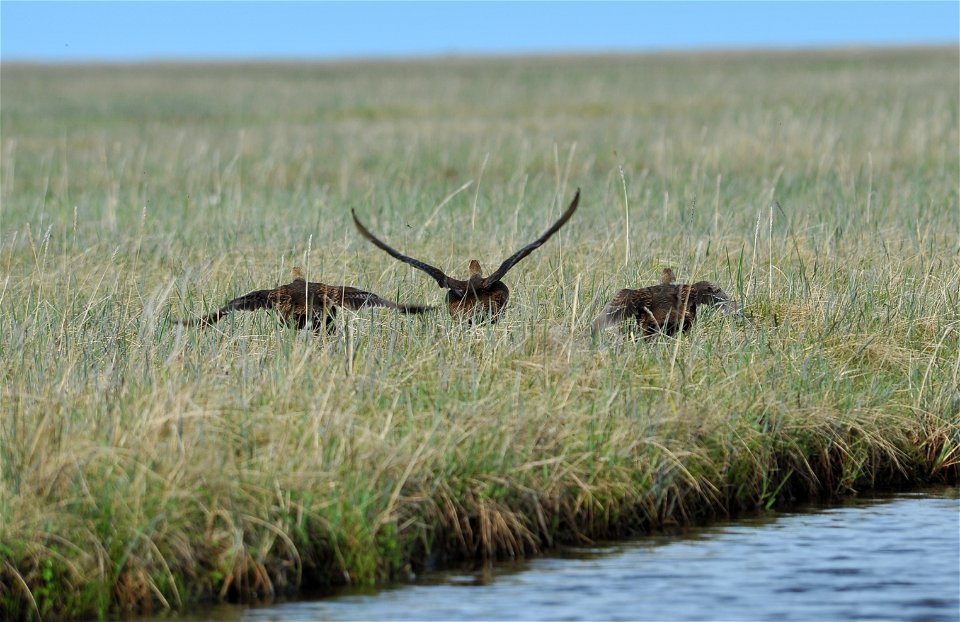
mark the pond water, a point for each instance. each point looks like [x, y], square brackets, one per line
[883, 558]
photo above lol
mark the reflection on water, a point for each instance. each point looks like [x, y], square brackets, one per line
[894, 558]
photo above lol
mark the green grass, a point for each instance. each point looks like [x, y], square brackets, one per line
[145, 466]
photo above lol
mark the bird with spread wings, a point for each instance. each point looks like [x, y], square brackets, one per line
[478, 297]
[298, 302]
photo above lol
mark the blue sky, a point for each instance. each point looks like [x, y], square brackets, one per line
[124, 31]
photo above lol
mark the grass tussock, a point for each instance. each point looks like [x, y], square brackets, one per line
[146, 466]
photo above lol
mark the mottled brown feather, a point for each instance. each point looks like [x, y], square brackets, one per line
[664, 308]
[299, 300]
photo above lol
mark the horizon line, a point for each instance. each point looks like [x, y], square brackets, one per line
[483, 55]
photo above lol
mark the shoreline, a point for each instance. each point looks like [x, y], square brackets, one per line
[478, 535]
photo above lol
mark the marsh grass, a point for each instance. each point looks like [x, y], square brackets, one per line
[146, 466]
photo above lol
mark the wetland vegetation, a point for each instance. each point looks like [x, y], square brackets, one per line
[146, 465]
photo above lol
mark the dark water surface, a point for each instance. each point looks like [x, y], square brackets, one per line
[883, 558]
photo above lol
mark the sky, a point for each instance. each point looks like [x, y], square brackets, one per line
[141, 31]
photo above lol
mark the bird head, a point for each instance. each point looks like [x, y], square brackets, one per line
[707, 293]
[476, 273]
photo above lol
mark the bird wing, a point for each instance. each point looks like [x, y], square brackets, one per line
[622, 306]
[356, 299]
[532, 246]
[260, 299]
[442, 279]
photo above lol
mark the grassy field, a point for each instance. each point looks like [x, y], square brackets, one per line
[145, 466]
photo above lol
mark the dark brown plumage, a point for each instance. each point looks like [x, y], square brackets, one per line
[664, 308]
[478, 297]
[298, 300]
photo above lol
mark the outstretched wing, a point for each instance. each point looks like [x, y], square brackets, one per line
[356, 299]
[623, 306]
[260, 299]
[532, 246]
[441, 278]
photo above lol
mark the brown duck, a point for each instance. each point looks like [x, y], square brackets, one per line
[664, 308]
[478, 297]
[298, 301]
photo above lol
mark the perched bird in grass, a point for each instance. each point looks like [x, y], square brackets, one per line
[300, 301]
[664, 308]
[478, 297]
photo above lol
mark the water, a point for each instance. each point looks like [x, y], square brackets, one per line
[896, 558]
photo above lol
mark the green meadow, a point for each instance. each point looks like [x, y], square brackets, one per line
[145, 465]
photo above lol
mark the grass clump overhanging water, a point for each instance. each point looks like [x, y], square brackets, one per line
[146, 466]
